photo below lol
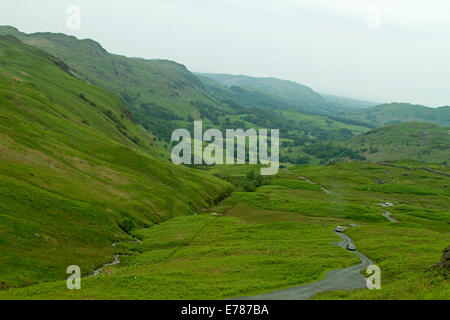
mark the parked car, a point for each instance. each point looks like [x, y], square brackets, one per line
[350, 246]
[339, 229]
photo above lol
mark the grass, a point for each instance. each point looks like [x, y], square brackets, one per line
[206, 257]
[281, 236]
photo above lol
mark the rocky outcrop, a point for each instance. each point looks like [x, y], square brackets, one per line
[444, 265]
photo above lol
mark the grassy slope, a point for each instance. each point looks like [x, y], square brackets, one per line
[59, 135]
[284, 239]
[206, 257]
[418, 141]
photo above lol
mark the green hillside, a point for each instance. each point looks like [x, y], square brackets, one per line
[402, 112]
[76, 172]
[410, 140]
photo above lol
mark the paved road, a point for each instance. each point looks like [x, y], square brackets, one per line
[388, 216]
[325, 190]
[338, 279]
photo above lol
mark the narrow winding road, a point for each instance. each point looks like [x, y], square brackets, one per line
[338, 279]
[388, 215]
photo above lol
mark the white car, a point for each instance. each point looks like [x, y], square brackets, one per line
[339, 229]
[350, 246]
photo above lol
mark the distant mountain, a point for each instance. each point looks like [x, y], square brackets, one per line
[402, 112]
[348, 102]
[244, 95]
[425, 142]
[294, 95]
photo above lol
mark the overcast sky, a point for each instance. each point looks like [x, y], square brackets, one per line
[378, 50]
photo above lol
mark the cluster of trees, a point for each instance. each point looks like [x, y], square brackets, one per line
[353, 122]
[295, 159]
[208, 112]
[156, 111]
[247, 183]
[156, 119]
[160, 121]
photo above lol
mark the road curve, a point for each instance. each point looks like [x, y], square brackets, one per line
[338, 279]
[387, 215]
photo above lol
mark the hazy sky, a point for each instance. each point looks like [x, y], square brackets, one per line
[380, 50]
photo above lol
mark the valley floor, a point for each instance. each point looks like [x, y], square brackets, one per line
[281, 236]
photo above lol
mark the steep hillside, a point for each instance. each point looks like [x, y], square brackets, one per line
[412, 140]
[76, 173]
[159, 93]
[402, 112]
